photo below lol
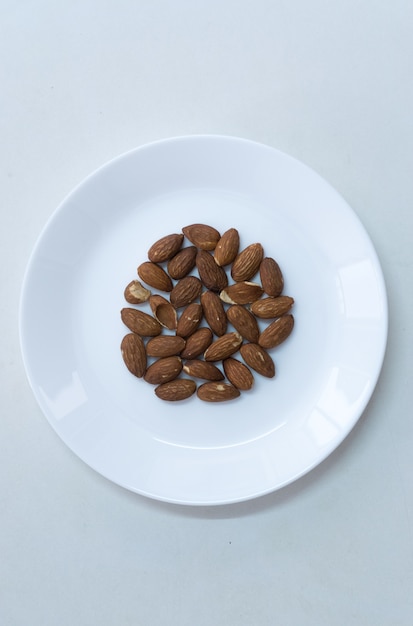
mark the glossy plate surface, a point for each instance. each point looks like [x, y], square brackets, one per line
[194, 452]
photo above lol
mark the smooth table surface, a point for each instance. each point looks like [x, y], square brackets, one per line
[329, 84]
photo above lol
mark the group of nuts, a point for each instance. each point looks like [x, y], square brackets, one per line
[192, 348]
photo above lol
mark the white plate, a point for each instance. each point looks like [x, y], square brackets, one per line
[195, 452]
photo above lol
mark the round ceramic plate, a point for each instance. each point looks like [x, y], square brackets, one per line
[193, 452]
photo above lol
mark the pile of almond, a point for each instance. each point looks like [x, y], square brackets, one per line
[187, 337]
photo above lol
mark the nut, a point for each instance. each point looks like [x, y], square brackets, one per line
[182, 263]
[163, 370]
[136, 293]
[271, 277]
[227, 247]
[217, 392]
[190, 319]
[212, 275]
[140, 323]
[214, 312]
[202, 236]
[203, 369]
[175, 390]
[165, 345]
[155, 276]
[163, 311]
[165, 248]
[241, 293]
[247, 262]
[258, 359]
[238, 374]
[276, 332]
[185, 291]
[244, 322]
[197, 343]
[223, 347]
[271, 307]
[134, 354]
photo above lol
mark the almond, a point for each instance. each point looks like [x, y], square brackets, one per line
[212, 275]
[272, 307]
[214, 312]
[186, 291]
[202, 236]
[217, 392]
[190, 319]
[258, 359]
[223, 347]
[165, 248]
[241, 293]
[197, 343]
[276, 332]
[134, 354]
[271, 277]
[155, 276]
[140, 323]
[227, 247]
[175, 390]
[244, 322]
[238, 374]
[136, 293]
[247, 262]
[182, 263]
[203, 369]
[163, 370]
[163, 311]
[165, 345]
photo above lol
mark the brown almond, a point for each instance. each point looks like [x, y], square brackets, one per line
[155, 276]
[186, 291]
[247, 262]
[202, 236]
[258, 359]
[238, 374]
[227, 247]
[214, 312]
[212, 275]
[197, 343]
[163, 311]
[140, 323]
[241, 293]
[134, 354]
[276, 332]
[223, 347]
[165, 248]
[202, 369]
[175, 390]
[165, 345]
[136, 293]
[244, 322]
[182, 263]
[163, 370]
[217, 392]
[271, 277]
[270, 307]
[189, 320]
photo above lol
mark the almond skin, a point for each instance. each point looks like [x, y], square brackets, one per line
[214, 312]
[134, 354]
[227, 247]
[271, 277]
[217, 392]
[182, 263]
[163, 370]
[136, 293]
[202, 369]
[165, 248]
[165, 345]
[241, 293]
[185, 291]
[155, 276]
[223, 347]
[140, 323]
[244, 322]
[258, 359]
[271, 307]
[163, 311]
[276, 332]
[190, 319]
[212, 275]
[247, 263]
[202, 236]
[175, 390]
[197, 343]
[238, 374]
